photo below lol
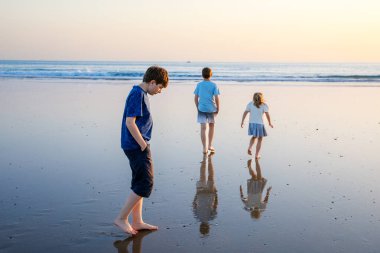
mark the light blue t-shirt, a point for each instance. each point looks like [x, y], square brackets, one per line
[206, 91]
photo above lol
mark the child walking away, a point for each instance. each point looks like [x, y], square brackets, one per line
[256, 129]
[136, 132]
[207, 103]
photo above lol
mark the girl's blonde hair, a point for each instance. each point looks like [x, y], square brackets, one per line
[258, 99]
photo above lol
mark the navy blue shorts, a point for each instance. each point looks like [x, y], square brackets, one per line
[142, 171]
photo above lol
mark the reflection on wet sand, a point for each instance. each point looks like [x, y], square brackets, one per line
[253, 202]
[122, 246]
[206, 198]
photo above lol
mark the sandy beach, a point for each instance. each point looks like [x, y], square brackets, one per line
[64, 176]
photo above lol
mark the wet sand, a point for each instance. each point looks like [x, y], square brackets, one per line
[64, 177]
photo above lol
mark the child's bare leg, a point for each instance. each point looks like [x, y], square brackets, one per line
[258, 147]
[137, 241]
[202, 173]
[122, 219]
[203, 136]
[251, 171]
[251, 142]
[137, 221]
[210, 169]
[258, 169]
[122, 246]
[211, 136]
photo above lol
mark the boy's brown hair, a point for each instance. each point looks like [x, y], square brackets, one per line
[158, 74]
[206, 73]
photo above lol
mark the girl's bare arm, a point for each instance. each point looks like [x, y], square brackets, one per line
[268, 118]
[242, 120]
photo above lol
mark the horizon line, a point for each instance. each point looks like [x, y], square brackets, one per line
[196, 61]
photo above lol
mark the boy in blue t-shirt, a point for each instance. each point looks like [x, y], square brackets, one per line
[136, 132]
[207, 102]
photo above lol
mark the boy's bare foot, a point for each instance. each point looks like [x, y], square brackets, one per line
[125, 226]
[211, 149]
[143, 226]
[258, 157]
[249, 151]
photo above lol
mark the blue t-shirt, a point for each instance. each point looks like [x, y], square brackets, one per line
[137, 105]
[206, 90]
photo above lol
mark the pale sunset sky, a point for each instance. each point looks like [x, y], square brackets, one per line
[196, 30]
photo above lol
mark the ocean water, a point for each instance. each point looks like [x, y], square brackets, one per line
[184, 71]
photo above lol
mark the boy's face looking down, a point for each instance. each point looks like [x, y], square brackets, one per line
[154, 88]
[157, 75]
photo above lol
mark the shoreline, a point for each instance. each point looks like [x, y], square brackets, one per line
[194, 82]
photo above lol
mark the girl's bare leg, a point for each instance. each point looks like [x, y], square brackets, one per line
[251, 171]
[251, 143]
[258, 147]
[258, 170]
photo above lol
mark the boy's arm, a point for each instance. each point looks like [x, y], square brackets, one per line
[217, 103]
[196, 101]
[135, 132]
[242, 120]
[268, 118]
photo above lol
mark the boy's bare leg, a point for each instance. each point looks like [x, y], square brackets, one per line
[122, 219]
[137, 241]
[203, 137]
[202, 173]
[251, 142]
[258, 147]
[211, 136]
[122, 246]
[137, 221]
[210, 169]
